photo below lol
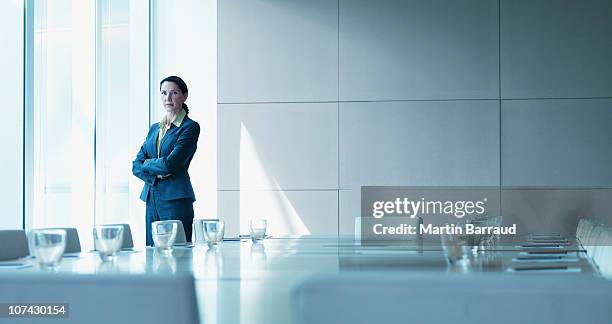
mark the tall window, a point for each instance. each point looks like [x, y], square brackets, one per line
[89, 113]
[112, 113]
[122, 110]
[11, 65]
[89, 97]
[62, 112]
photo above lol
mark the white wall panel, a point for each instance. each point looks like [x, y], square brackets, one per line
[287, 212]
[556, 49]
[405, 49]
[349, 207]
[555, 210]
[419, 143]
[278, 50]
[559, 142]
[278, 146]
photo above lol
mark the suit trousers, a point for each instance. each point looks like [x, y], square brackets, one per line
[176, 209]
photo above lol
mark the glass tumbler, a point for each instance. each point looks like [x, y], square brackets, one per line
[257, 229]
[214, 231]
[457, 249]
[108, 240]
[49, 246]
[164, 235]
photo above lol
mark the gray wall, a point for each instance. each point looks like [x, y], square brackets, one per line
[338, 94]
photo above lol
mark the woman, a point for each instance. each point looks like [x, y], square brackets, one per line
[164, 158]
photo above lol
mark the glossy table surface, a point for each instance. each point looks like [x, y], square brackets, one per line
[243, 282]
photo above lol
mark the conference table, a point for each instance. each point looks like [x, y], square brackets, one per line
[245, 282]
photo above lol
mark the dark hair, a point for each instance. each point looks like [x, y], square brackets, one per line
[180, 83]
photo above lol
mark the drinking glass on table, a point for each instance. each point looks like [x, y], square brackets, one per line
[49, 246]
[108, 240]
[214, 231]
[457, 248]
[485, 241]
[164, 235]
[257, 229]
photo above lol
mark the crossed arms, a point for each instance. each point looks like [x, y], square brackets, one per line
[148, 169]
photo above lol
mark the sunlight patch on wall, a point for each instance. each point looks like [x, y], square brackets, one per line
[273, 205]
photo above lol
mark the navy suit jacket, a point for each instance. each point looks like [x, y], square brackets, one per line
[176, 151]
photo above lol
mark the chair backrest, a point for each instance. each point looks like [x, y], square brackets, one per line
[128, 242]
[437, 298]
[73, 243]
[106, 298]
[13, 244]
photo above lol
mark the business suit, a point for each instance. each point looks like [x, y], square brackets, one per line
[170, 197]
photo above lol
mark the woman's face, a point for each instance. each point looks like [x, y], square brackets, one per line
[172, 97]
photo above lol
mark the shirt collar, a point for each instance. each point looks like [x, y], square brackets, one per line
[178, 120]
